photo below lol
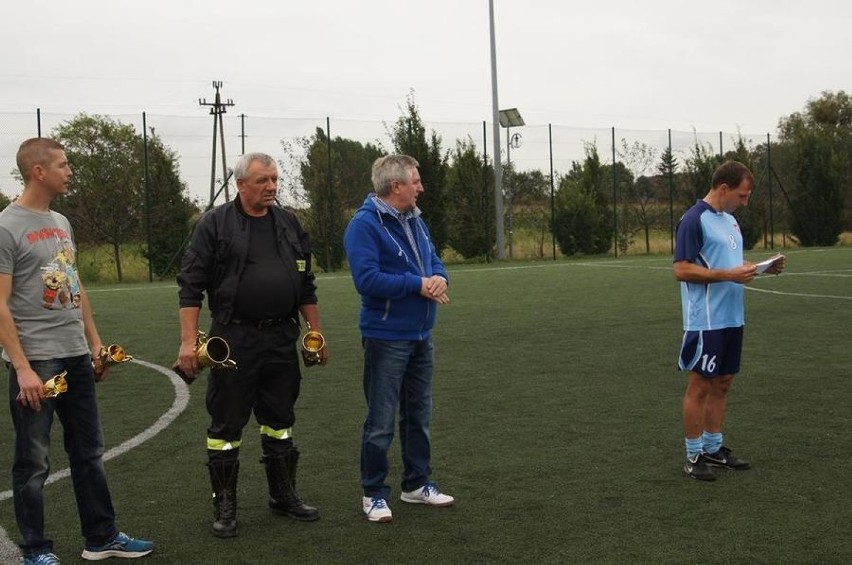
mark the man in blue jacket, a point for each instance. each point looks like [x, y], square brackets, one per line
[401, 281]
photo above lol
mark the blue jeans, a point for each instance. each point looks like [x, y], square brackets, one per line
[397, 374]
[78, 411]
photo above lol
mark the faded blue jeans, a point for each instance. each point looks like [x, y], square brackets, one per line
[397, 375]
[78, 411]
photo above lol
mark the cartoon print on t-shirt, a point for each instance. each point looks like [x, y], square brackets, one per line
[61, 285]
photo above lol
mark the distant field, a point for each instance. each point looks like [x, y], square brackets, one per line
[556, 426]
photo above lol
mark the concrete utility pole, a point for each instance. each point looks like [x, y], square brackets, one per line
[218, 108]
[498, 164]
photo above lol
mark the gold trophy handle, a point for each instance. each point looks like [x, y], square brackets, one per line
[200, 339]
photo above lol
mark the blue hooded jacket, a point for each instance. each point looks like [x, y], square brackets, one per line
[387, 276]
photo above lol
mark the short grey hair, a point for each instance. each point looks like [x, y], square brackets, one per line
[391, 168]
[242, 164]
[35, 151]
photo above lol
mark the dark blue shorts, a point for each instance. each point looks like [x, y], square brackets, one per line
[711, 353]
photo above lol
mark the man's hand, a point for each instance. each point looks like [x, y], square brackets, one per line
[443, 299]
[32, 389]
[434, 288]
[187, 360]
[101, 370]
[744, 273]
[323, 353]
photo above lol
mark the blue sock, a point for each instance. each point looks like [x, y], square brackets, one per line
[712, 442]
[693, 447]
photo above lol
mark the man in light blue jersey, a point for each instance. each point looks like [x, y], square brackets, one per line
[709, 264]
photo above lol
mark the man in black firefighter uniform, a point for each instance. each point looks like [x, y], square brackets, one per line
[252, 258]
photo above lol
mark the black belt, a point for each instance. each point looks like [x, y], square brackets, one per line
[267, 323]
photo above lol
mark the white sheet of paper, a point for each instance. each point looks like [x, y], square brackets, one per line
[763, 265]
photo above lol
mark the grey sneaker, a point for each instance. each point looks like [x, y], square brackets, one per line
[724, 458]
[697, 469]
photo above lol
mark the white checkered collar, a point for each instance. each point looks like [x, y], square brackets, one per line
[386, 208]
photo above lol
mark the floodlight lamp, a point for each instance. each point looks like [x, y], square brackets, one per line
[510, 118]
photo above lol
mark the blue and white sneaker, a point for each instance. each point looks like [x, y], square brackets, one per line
[428, 494]
[42, 559]
[121, 545]
[376, 509]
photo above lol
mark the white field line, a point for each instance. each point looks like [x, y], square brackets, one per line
[9, 552]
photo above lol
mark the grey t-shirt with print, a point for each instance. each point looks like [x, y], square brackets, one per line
[37, 249]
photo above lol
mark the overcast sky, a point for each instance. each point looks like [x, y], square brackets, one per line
[651, 64]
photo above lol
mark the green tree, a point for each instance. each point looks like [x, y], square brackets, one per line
[667, 171]
[171, 210]
[330, 205]
[697, 174]
[4, 201]
[470, 232]
[698, 178]
[530, 187]
[106, 202]
[322, 220]
[626, 226]
[408, 135]
[750, 218]
[818, 169]
[582, 220]
[816, 202]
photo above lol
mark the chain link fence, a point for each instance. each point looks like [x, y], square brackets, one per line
[204, 159]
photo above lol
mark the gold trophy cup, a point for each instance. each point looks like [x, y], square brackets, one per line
[107, 356]
[312, 343]
[52, 388]
[211, 352]
[56, 385]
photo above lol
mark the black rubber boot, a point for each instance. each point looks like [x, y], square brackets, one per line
[223, 480]
[281, 477]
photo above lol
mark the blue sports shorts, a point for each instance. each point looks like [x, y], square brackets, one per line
[711, 353]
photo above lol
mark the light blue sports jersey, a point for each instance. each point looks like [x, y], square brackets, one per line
[713, 240]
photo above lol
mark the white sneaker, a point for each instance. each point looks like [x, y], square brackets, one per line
[376, 509]
[428, 494]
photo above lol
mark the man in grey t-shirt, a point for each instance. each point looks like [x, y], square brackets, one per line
[46, 328]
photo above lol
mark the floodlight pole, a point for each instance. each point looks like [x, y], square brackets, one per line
[498, 165]
[510, 118]
[507, 187]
